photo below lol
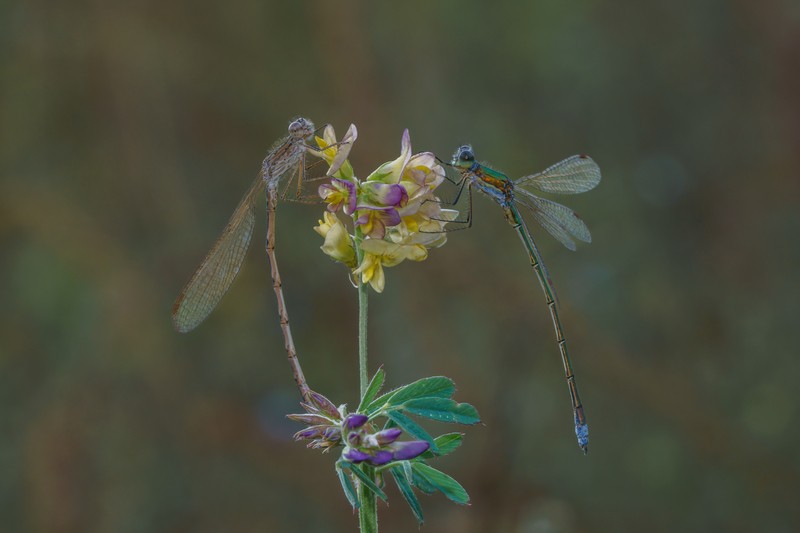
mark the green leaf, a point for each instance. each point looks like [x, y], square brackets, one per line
[442, 482]
[372, 389]
[408, 493]
[412, 428]
[443, 410]
[409, 473]
[347, 487]
[438, 386]
[364, 478]
[446, 443]
[422, 484]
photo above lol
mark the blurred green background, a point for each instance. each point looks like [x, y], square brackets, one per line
[129, 131]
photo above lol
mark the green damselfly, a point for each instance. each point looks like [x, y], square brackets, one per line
[573, 175]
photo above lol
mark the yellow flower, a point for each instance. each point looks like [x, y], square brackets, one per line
[379, 253]
[338, 243]
[335, 153]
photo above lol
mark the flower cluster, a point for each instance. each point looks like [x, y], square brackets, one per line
[324, 421]
[329, 426]
[395, 214]
[378, 448]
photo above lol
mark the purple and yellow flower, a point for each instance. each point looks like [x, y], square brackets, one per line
[375, 194]
[339, 193]
[377, 207]
[396, 215]
[422, 174]
[373, 220]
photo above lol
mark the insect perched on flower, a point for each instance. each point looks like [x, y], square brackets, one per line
[395, 214]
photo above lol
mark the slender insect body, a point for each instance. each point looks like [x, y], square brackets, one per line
[572, 175]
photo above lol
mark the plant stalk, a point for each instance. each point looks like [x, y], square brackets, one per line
[368, 512]
[363, 307]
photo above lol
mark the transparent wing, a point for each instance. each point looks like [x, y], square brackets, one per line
[560, 221]
[573, 175]
[219, 268]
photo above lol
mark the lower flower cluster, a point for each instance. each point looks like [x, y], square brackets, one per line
[381, 447]
[329, 427]
[372, 451]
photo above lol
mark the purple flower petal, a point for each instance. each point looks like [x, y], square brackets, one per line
[391, 217]
[350, 187]
[381, 457]
[356, 456]
[388, 436]
[354, 421]
[392, 194]
[344, 185]
[409, 449]
[350, 208]
[376, 195]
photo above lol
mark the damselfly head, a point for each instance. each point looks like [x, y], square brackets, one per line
[301, 128]
[463, 157]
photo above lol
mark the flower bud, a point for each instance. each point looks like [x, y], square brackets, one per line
[355, 456]
[388, 436]
[409, 449]
[354, 421]
[381, 457]
[309, 419]
[325, 405]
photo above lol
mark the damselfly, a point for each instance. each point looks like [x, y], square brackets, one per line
[574, 175]
[219, 268]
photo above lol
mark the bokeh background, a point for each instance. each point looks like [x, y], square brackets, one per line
[129, 131]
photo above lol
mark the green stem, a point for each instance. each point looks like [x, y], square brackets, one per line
[363, 305]
[368, 512]
[362, 337]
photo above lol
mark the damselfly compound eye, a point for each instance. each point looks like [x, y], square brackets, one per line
[301, 127]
